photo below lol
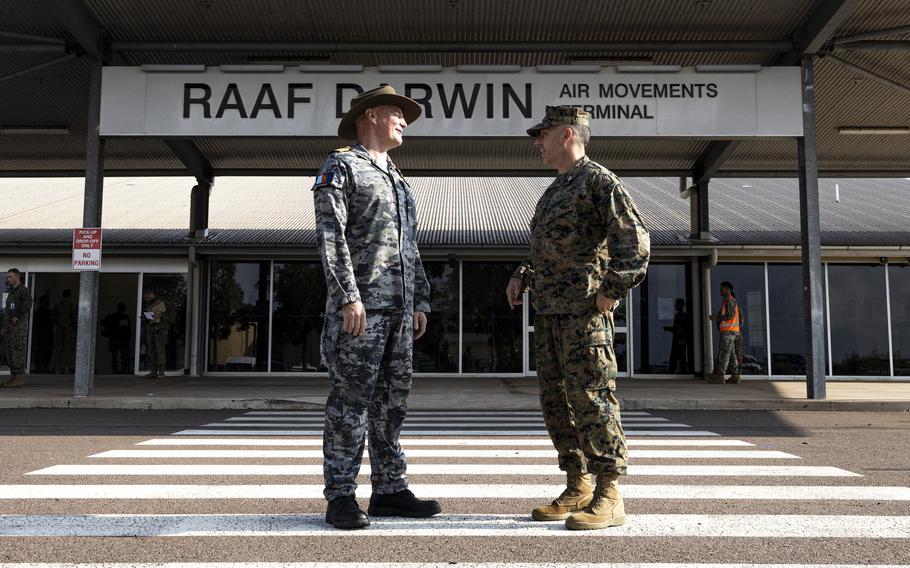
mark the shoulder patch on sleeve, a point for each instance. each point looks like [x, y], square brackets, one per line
[331, 174]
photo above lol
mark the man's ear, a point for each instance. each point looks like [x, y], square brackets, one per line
[567, 135]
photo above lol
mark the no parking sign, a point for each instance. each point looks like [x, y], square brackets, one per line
[87, 249]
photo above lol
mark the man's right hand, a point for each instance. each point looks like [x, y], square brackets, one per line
[514, 292]
[355, 318]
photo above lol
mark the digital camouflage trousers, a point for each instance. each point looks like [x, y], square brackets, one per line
[370, 379]
[576, 367]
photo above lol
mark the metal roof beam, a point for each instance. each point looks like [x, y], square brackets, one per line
[817, 30]
[29, 38]
[894, 45]
[870, 74]
[193, 158]
[454, 47]
[709, 163]
[81, 25]
[871, 35]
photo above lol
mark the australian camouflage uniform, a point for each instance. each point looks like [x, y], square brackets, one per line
[156, 337]
[17, 312]
[587, 237]
[729, 352]
[366, 230]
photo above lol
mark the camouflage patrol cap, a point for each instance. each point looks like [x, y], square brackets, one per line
[562, 114]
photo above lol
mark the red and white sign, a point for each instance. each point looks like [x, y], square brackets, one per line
[86, 249]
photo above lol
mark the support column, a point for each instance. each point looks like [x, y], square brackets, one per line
[810, 233]
[91, 217]
[697, 314]
[199, 209]
[698, 210]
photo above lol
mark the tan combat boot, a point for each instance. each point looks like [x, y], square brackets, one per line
[605, 510]
[15, 381]
[717, 378]
[734, 379]
[579, 492]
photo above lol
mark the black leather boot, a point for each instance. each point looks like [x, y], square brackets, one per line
[402, 504]
[345, 513]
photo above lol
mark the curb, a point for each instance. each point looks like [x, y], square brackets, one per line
[182, 403]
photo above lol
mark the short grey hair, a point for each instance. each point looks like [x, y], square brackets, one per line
[582, 133]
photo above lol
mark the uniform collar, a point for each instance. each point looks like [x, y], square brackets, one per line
[361, 151]
[573, 172]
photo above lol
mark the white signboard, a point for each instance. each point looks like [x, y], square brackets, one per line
[687, 103]
[86, 249]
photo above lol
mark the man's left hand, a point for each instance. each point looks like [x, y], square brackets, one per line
[420, 325]
[14, 319]
[605, 304]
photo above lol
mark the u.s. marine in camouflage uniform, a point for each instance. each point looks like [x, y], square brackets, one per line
[589, 247]
[378, 293]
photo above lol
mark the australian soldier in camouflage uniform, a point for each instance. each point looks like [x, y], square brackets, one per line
[18, 309]
[730, 350]
[589, 247]
[378, 295]
[155, 333]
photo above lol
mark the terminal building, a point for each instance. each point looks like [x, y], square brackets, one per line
[767, 147]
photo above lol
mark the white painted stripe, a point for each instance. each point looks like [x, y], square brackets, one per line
[427, 413]
[518, 442]
[464, 419]
[439, 453]
[457, 491]
[430, 565]
[440, 469]
[407, 432]
[413, 424]
[713, 526]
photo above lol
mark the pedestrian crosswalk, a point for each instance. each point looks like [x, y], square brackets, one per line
[468, 460]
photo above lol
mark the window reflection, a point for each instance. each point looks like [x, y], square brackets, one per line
[298, 305]
[437, 350]
[171, 289]
[239, 316]
[749, 287]
[900, 317]
[859, 330]
[785, 285]
[662, 321]
[492, 333]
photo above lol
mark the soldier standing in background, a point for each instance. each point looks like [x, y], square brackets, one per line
[65, 334]
[378, 295]
[728, 326]
[589, 247]
[155, 333]
[15, 327]
[116, 327]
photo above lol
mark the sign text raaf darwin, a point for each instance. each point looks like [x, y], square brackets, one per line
[294, 103]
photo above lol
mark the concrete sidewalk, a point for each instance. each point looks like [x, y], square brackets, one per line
[443, 393]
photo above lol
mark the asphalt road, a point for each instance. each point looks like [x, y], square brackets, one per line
[791, 488]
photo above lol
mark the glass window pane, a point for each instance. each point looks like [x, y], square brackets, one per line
[299, 303]
[662, 322]
[859, 329]
[171, 289]
[749, 287]
[900, 317]
[785, 285]
[239, 317]
[491, 331]
[436, 351]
